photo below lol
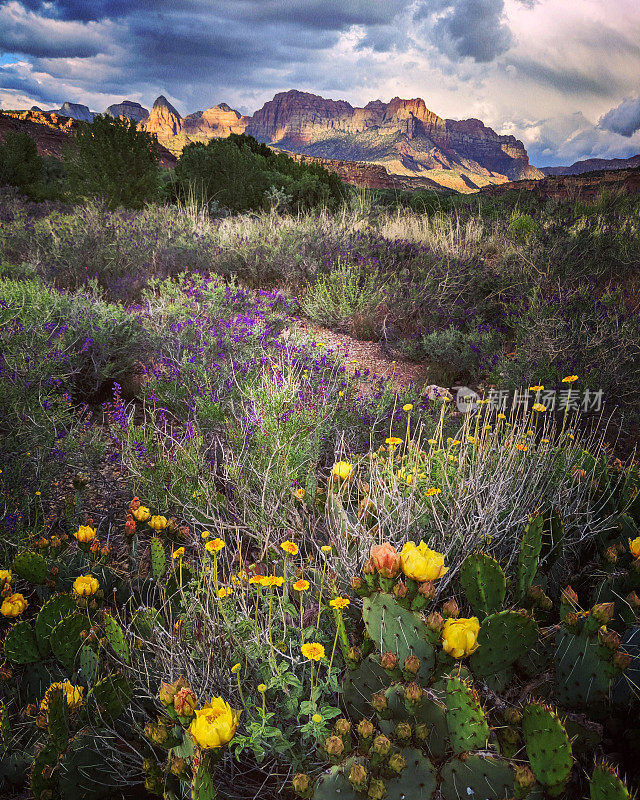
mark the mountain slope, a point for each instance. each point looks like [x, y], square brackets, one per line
[403, 136]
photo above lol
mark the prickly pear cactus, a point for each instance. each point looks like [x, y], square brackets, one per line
[468, 727]
[66, 638]
[431, 714]
[116, 638]
[43, 779]
[477, 776]
[20, 644]
[548, 747]
[58, 719]
[361, 684]
[88, 662]
[606, 784]
[582, 675]
[397, 630]
[503, 638]
[417, 780]
[108, 698]
[484, 583]
[158, 559]
[30, 566]
[52, 612]
[530, 549]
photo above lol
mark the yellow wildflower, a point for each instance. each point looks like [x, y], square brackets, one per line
[215, 545]
[339, 602]
[289, 547]
[314, 651]
[301, 585]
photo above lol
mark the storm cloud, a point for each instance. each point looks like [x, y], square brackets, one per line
[623, 119]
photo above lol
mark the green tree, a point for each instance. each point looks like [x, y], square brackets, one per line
[111, 158]
[20, 164]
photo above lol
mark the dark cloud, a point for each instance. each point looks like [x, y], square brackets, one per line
[593, 80]
[623, 119]
[467, 28]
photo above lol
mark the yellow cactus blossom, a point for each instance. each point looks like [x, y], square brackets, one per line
[272, 580]
[301, 585]
[85, 534]
[570, 379]
[224, 591]
[141, 514]
[215, 545]
[432, 491]
[13, 606]
[407, 407]
[178, 553]
[314, 651]
[85, 585]
[158, 523]
[215, 724]
[421, 563]
[73, 695]
[5, 576]
[341, 470]
[339, 602]
[634, 547]
[290, 547]
[460, 636]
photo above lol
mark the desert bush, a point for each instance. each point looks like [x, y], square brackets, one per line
[111, 159]
[458, 354]
[20, 164]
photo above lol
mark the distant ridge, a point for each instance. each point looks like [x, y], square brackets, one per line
[593, 165]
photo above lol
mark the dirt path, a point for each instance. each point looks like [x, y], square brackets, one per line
[359, 355]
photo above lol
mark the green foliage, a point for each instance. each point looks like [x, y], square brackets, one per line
[548, 747]
[468, 728]
[606, 784]
[111, 158]
[504, 637]
[524, 228]
[20, 645]
[66, 637]
[240, 174]
[20, 164]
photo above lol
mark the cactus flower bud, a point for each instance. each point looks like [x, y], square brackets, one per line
[168, 691]
[369, 568]
[178, 766]
[302, 786]
[379, 702]
[403, 732]
[450, 609]
[512, 716]
[411, 664]
[611, 555]
[381, 745]
[422, 732]
[358, 777]
[185, 702]
[334, 747]
[427, 589]
[365, 729]
[377, 790]
[569, 597]
[633, 600]
[413, 694]
[524, 777]
[621, 660]
[397, 762]
[603, 612]
[608, 639]
[389, 661]
[342, 727]
[400, 590]
[572, 622]
[356, 583]
[435, 622]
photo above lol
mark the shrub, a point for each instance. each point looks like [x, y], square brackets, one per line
[112, 159]
[524, 227]
[20, 164]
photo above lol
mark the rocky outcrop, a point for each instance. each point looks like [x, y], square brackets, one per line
[76, 111]
[403, 134]
[163, 120]
[129, 109]
[575, 187]
[214, 123]
[593, 164]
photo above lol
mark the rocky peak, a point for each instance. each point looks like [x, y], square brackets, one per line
[129, 109]
[76, 111]
[163, 120]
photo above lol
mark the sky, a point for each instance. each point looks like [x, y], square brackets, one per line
[561, 75]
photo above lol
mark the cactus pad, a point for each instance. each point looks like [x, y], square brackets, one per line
[158, 559]
[335, 784]
[468, 728]
[360, 684]
[529, 553]
[108, 698]
[486, 778]
[116, 638]
[43, 780]
[483, 582]
[51, 613]
[20, 644]
[582, 677]
[417, 781]
[431, 712]
[30, 566]
[548, 747]
[88, 664]
[58, 719]
[66, 638]
[395, 629]
[606, 784]
[504, 637]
